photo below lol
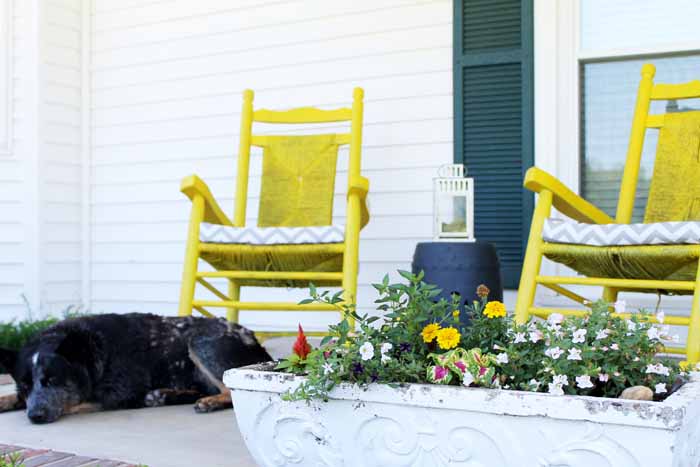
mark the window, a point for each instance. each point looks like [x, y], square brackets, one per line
[609, 34]
[609, 91]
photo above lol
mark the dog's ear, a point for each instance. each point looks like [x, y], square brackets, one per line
[80, 347]
[8, 360]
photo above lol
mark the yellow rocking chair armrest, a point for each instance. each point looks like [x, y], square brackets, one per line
[193, 186]
[359, 187]
[565, 200]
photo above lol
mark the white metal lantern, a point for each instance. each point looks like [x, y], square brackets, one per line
[454, 204]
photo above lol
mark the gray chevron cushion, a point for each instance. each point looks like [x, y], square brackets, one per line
[661, 233]
[215, 233]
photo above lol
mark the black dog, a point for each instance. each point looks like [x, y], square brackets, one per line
[127, 361]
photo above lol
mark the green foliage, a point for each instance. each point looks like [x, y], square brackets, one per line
[418, 339]
[11, 460]
[387, 349]
[14, 334]
[613, 353]
[484, 332]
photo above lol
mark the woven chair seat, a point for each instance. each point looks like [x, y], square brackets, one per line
[324, 257]
[651, 262]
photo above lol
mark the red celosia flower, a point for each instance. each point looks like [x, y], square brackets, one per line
[301, 347]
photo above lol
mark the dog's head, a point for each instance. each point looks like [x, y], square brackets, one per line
[54, 374]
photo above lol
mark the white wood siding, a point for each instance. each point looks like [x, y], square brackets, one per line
[40, 185]
[15, 226]
[166, 94]
[60, 153]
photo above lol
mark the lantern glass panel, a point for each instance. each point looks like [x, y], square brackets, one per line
[452, 214]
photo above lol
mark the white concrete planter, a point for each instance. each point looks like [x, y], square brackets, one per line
[428, 425]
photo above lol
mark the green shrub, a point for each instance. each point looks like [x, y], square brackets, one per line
[11, 460]
[14, 334]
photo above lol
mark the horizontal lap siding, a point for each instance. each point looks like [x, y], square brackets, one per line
[60, 154]
[166, 97]
[13, 203]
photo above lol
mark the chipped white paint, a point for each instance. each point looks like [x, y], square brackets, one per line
[428, 425]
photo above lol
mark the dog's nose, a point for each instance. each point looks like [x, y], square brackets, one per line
[38, 415]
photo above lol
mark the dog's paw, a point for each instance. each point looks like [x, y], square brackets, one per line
[204, 406]
[213, 403]
[155, 398]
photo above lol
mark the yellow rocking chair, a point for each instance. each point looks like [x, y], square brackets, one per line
[653, 266]
[294, 243]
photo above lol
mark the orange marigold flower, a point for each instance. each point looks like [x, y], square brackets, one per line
[495, 310]
[448, 338]
[301, 347]
[429, 332]
[482, 291]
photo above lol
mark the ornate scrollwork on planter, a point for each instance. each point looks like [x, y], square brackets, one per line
[297, 439]
[688, 440]
[404, 441]
[594, 447]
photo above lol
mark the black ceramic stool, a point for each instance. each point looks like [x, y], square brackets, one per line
[459, 267]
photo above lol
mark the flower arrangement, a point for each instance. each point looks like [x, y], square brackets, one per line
[418, 339]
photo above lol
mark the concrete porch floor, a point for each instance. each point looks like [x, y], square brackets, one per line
[160, 437]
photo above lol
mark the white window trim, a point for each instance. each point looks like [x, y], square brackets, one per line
[6, 79]
[557, 116]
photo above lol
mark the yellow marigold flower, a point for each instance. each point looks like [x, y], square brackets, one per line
[448, 338]
[495, 310]
[430, 332]
[455, 314]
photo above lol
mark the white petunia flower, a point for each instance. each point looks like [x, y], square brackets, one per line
[467, 378]
[620, 306]
[519, 338]
[658, 369]
[366, 351]
[660, 388]
[555, 389]
[602, 334]
[653, 333]
[384, 349]
[579, 336]
[584, 382]
[535, 336]
[660, 316]
[534, 383]
[554, 352]
[502, 358]
[555, 318]
[574, 354]
[327, 368]
[631, 325]
[562, 380]
[615, 347]
[603, 378]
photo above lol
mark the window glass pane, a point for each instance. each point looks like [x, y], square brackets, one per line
[609, 91]
[609, 24]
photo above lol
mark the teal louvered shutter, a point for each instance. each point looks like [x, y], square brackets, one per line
[493, 91]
